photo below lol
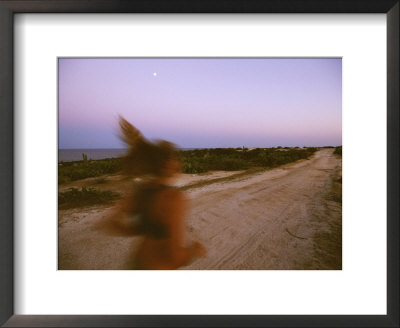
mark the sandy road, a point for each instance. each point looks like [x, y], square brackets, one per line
[284, 218]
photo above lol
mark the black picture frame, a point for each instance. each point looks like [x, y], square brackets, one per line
[10, 7]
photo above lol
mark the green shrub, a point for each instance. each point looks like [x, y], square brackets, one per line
[85, 197]
[231, 164]
[338, 151]
[193, 167]
[230, 159]
[77, 170]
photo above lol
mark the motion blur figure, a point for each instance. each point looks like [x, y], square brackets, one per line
[154, 209]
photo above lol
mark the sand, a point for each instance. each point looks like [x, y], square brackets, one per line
[284, 218]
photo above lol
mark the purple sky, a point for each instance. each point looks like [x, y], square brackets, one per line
[259, 102]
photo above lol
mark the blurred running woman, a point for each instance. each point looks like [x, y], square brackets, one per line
[154, 210]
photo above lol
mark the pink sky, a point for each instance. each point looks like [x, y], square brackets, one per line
[201, 102]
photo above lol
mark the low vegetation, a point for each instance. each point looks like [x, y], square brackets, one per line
[230, 159]
[85, 197]
[338, 151]
[194, 161]
[71, 171]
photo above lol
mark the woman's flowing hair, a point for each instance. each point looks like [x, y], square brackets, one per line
[143, 156]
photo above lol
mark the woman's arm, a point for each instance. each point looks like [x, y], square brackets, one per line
[117, 223]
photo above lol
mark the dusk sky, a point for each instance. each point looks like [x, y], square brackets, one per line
[204, 103]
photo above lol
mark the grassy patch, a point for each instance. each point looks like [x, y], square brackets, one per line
[77, 170]
[85, 197]
[232, 159]
[338, 151]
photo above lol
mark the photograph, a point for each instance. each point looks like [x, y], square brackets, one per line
[199, 163]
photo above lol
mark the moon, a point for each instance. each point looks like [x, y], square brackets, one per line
[155, 74]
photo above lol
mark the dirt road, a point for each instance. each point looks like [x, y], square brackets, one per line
[285, 218]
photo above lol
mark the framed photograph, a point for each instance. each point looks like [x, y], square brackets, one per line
[237, 113]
